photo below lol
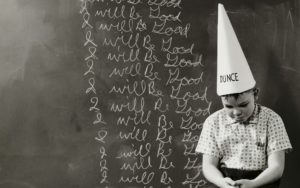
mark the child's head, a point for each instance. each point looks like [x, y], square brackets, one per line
[240, 106]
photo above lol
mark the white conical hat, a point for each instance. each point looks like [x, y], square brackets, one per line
[233, 74]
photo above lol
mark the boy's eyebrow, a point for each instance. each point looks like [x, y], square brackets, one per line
[240, 104]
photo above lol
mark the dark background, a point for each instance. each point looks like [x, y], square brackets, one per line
[46, 139]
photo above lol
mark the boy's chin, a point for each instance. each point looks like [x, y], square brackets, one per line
[240, 120]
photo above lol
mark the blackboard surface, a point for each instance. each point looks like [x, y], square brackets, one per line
[113, 93]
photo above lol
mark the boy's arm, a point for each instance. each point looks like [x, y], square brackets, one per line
[270, 174]
[213, 174]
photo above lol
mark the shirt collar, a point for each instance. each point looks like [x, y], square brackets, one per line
[253, 119]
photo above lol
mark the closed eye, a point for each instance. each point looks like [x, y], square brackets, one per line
[228, 106]
[243, 105]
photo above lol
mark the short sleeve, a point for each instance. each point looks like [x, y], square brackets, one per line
[278, 139]
[207, 142]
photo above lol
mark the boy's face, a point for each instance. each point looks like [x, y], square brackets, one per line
[240, 108]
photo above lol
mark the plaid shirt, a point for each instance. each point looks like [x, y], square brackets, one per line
[243, 145]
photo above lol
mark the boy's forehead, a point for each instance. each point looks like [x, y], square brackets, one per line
[238, 97]
[229, 99]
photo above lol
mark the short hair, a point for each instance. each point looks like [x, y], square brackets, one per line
[237, 95]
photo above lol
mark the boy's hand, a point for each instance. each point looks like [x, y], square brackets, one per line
[229, 183]
[244, 183]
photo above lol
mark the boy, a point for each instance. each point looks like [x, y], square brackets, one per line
[243, 144]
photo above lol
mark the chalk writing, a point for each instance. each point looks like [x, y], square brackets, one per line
[104, 177]
[135, 134]
[165, 179]
[194, 181]
[145, 178]
[123, 26]
[142, 151]
[187, 137]
[188, 124]
[146, 90]
[89, 40]
[101, 136]
[169, 31]
[137, 106]
[138, 119]
[86, 15]
[133, 56]
[193, 164]
[91, 45]
[155, 13]
[91, 87]
[112, 13]
[94, 101]
[184, 81]
[167, 3]
[132, 2]
[159, 105]
[140, 165]
[99, 118]
[137, 88]
[150, 74]
[161, 150]
[189, 150]
[102, 152]
[187, 110]
[176, 62]
[92, 54]
[131, 42]
[167, 47]
[133, 70]
[90, 65]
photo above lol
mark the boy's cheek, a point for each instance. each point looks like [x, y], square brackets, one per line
[229, 113]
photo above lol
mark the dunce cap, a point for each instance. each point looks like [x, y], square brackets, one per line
[233, 72]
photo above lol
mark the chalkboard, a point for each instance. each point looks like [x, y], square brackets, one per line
[113, 93]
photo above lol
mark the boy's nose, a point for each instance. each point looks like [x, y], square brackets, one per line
[237, 112]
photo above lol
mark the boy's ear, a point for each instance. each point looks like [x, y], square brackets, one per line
[256, 92]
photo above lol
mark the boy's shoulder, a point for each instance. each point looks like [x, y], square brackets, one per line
[268, 112]
[216, 116]
[217, 113]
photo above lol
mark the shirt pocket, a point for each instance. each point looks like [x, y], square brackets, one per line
[261, 143]
[258, 143]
